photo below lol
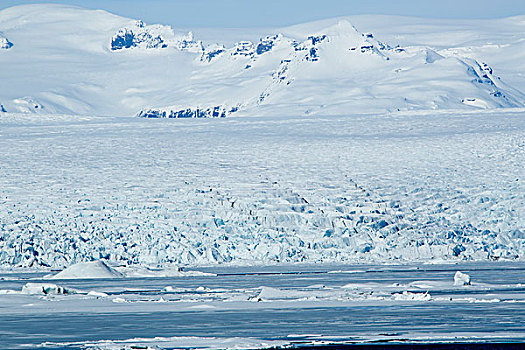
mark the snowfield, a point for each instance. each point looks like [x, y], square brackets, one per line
[425, 186]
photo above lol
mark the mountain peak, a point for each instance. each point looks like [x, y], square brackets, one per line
[341, 28]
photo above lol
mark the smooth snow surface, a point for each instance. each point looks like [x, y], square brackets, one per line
[247, 308]
[424, 186]
[64, 59]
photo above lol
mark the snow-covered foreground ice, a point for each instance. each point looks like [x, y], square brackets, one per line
[272, 306]
[425, 186]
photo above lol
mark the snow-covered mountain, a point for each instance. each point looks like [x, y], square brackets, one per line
[64, 59]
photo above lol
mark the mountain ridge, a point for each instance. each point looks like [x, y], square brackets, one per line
[301, 70]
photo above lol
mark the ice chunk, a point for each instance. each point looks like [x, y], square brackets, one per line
[43, 288]
[412, 296]
[27, 105]
[271, 293]
[92, 269]
[119, 300]
[461, 279]
[97, 294]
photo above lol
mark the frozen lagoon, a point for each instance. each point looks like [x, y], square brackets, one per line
[248, 307]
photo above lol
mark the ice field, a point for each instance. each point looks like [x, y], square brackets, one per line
[358, 188]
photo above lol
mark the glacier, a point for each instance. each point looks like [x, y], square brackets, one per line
[397, 187]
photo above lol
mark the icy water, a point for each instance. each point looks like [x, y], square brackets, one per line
[336, 324]
[297, 304]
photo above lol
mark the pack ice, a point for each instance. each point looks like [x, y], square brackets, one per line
[347, 140]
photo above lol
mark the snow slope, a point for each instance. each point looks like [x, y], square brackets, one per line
[92, 62]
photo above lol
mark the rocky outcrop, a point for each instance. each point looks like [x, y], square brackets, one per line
[212, 52]
[267, 43]
[138, 36]
[153, 37]
[5, 43]
[483, 76]
[299, 56]
[188, 43]
[310, 47]
[244, 48]
[194, 112]
[124, 39]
